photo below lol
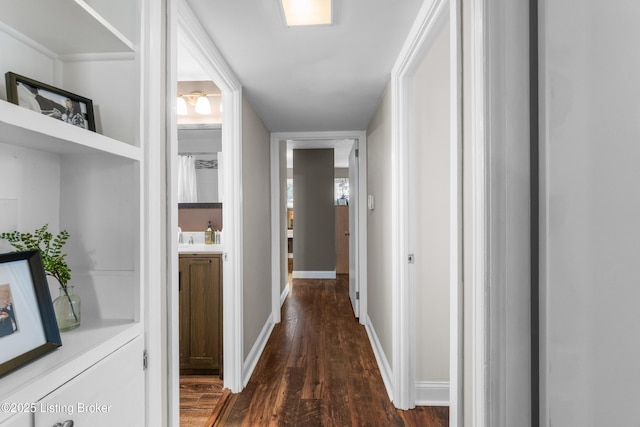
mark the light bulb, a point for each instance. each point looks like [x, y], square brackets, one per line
[203, 106]
[181, 105]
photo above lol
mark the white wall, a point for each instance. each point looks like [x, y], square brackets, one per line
[29, 190]
[591, 212]
[256, 203]
[379, 290]
[430, 199]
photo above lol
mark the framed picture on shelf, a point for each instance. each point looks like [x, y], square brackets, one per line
[28, 327]
[50, 101]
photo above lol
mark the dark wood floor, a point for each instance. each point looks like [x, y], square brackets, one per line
[318, 369]
[199, 395]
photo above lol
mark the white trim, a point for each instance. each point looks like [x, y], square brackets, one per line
[432, 393]
[200, 45]
[381, 359]
[298, 274]
[456, 295]
[276, 237]
[161, 405]
[285, 293]
[256, 351]
[479, 211]
[426, 28]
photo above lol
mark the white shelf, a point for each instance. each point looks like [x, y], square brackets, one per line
[82, 31]
[20, 126]
[81, 348]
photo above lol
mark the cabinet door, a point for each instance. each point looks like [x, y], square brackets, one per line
[200, 313]
[109, 393]
[18, 420]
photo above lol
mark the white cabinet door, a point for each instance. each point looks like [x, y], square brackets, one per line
[109, 393]
[18, 420]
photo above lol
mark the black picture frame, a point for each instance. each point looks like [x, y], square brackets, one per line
[50, 101]
[31, 317]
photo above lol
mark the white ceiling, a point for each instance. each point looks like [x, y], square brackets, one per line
[305, 79]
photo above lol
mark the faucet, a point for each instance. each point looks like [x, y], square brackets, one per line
[191, 239]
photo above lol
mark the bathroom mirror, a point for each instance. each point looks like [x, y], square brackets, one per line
[200, 158]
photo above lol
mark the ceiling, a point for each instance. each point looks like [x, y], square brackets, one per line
[308, 79]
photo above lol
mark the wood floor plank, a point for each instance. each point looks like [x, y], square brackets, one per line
[318, 369]
[199, 395]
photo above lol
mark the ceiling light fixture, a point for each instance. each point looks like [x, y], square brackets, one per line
[307, 12]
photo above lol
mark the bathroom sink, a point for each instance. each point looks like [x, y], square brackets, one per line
[197, 248]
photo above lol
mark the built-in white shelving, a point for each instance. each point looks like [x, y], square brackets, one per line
[89, 183]
[82, 30]
[29, 129]
[80, 349]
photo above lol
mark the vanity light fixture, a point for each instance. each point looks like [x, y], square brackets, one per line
[181, 105]
[307, 12]
[199, 99]
[202, 105]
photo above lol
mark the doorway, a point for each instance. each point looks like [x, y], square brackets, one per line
[188, 37]
[435, 41]
[348, 143]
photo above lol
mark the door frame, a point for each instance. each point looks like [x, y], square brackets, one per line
[425, 29]
[200, 45]
[279, 229]
[354, 183]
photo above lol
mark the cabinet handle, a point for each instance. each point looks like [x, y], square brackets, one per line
[179, 280]
[68, 423]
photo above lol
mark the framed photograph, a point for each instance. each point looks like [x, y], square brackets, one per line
[50, 101]
[28, 327]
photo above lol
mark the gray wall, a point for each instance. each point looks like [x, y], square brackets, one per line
[591, 213]
[379, 291]
[256, 213]
[430, 195]
[313, 204]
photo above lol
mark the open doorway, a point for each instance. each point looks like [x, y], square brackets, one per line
[196, 59]
[347, 171]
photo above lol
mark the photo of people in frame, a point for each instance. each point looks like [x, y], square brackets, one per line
[52, 105]
[8, 323]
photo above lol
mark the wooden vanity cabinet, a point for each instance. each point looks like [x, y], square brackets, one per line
[200, 308]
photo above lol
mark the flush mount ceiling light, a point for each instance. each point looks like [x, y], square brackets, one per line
[307, 12]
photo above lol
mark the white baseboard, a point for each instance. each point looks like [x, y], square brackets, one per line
[432, 393]
[256, 351]
[383, 363]
[285, 293]
[297, 274]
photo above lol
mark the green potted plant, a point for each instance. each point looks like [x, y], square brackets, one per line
[67, 305]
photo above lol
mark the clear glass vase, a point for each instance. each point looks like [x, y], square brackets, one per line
[67, 309]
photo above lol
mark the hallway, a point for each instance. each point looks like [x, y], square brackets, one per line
[318, 369]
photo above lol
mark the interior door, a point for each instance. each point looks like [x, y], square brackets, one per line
[342, 239]
[354, 286]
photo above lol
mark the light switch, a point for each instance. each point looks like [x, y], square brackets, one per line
[370, 202]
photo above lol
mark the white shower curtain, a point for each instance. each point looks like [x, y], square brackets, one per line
[187, 185]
